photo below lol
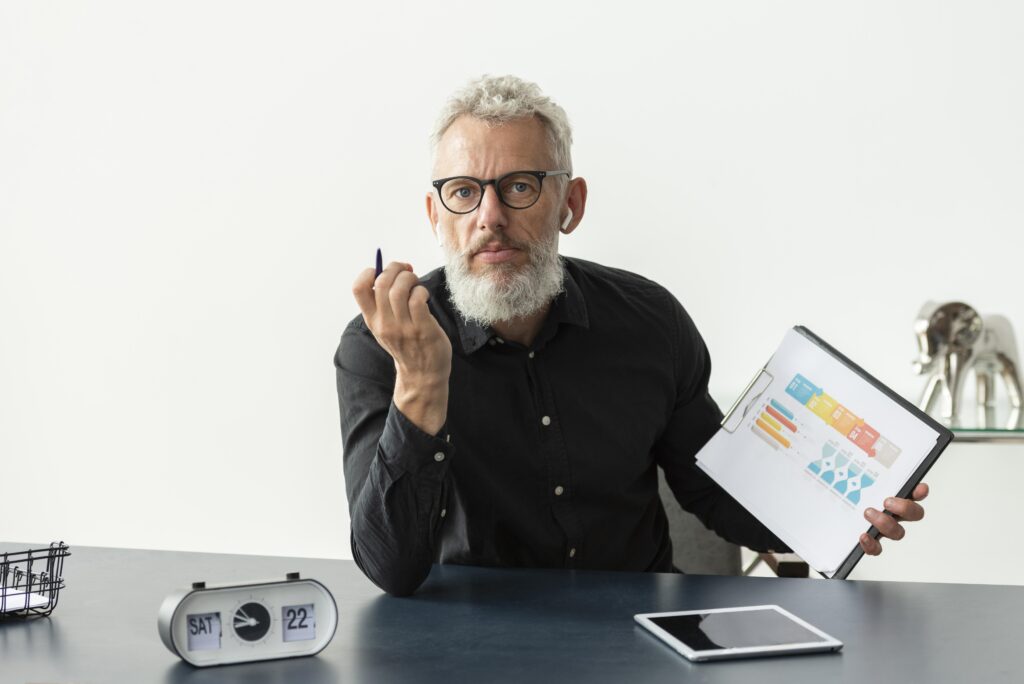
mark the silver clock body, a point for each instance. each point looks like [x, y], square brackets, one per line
[244, 622]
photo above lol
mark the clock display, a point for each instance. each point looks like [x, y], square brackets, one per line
[208, 625]
[252, 621]
[299, 622]
[203, 631]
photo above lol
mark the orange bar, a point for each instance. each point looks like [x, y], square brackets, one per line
[781, 418]
[771, 421]
[772, 433]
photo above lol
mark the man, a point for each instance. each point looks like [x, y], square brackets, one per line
[512, 408]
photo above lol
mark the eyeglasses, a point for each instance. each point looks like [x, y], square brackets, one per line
[516, 190]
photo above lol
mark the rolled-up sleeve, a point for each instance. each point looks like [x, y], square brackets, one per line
[395, 473]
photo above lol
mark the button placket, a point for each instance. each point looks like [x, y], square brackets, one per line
[553, 447]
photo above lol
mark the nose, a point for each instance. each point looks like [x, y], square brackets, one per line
[491, 214]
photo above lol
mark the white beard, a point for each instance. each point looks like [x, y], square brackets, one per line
[504, 292]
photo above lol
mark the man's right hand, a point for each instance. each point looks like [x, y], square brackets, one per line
[394, 307]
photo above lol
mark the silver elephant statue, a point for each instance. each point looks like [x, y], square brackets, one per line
[953, 339]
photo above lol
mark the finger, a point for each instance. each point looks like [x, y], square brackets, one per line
[871, 546]
[920, 492]
[418, 308]
[382, 286]
[885, 524]
[362, 290]
[399, 295]
[904, 508]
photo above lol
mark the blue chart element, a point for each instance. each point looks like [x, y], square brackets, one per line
[851, 480]
[802, 389]
[826, 461]
[865, 482]
[781, 409]
[846, 478]
[830, 475]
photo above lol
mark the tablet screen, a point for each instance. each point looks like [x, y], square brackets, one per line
[735, 629]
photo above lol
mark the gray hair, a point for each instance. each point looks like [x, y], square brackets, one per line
[498, 99]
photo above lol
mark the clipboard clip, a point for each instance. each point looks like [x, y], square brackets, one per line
[748, 398]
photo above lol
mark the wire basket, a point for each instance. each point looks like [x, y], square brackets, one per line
[30, 581]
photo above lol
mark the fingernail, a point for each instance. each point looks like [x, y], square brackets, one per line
[868, 512]
[889, 503]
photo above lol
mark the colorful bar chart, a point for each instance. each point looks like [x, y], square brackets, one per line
[775, 425]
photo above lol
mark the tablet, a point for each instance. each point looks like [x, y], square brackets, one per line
[742, 632]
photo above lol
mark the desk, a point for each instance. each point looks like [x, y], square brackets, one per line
[488, 625]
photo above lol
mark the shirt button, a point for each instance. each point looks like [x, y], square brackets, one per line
[500, 341]
[531, 355]
[572, 552]
[439, 456]
[444, 512]
[545, 420]
[559, 490]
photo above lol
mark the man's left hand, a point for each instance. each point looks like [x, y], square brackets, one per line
[903, 510]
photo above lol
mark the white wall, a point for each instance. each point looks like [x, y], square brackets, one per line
[188, 189]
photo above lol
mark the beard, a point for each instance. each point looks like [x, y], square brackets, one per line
[504, 292]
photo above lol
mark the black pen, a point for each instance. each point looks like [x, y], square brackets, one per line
[380, 263]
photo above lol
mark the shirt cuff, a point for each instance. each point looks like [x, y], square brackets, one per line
[405, 447]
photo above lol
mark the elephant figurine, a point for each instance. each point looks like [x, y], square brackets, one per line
[954, 339]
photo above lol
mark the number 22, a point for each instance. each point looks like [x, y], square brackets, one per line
[292, 614]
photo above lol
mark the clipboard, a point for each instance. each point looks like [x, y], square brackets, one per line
[812, 441]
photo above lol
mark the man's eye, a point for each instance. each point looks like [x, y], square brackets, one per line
[461, 192]
[520, 187]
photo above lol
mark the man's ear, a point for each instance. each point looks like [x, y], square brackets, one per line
[567, 220]
[576, 198]
[434, 219]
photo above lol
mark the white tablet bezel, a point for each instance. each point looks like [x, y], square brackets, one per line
[828, 643]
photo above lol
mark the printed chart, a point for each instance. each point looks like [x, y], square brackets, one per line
[810, 444]
[834, 445]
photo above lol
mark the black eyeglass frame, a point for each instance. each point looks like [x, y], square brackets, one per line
[539, 175]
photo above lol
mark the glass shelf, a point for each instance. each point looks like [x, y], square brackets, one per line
[970, 429]
[961, 435]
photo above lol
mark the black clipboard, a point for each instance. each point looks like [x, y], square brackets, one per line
[945, 435]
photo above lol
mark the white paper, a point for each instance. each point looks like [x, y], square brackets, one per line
[12, 600]
[810, 447]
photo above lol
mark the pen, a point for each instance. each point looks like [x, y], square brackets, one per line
[380, 264]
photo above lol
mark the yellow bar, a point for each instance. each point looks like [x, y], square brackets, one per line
[772, 433]
[771, 421]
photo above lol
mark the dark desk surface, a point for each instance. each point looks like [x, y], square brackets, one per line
[475, 624]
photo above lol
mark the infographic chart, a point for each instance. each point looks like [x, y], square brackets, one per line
[843, 420]
[834, 445]
[810, 443]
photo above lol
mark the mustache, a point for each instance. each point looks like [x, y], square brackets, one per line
[490, 238]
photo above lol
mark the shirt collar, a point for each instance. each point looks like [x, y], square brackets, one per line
[568, 307]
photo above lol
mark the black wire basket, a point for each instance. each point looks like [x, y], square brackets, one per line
[31, 580]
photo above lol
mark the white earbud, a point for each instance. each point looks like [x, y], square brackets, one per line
[439, 234]
[568, 218]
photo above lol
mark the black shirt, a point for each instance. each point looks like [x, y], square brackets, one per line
[548, 457]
